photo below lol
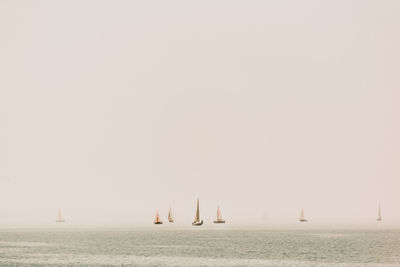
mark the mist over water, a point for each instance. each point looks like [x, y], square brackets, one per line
[111, 111]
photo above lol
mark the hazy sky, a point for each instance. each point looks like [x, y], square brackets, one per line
[113, 109]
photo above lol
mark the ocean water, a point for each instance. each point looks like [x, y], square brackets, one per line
[197, 246]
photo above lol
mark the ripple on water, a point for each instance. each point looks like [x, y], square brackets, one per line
[117, 260]
[201, 248]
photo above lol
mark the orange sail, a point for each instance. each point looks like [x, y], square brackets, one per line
[157, 219]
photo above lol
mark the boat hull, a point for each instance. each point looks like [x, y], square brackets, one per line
[171, 221]
[158, 223]
[197, 223]
[221, 221]
[303, 221]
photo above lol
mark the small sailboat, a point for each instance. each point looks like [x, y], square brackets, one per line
[60, 218]
[302, 218]
[219, 217]
[379, 218]
[170, 219]
[197, 220]
[157, 219]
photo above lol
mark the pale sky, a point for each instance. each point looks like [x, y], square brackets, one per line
[113, 109]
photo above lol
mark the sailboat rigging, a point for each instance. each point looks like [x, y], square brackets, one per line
[219, 217]
[197, 221]
[379, 218]
[170, 219]
[157, 220]
[302, 218]
[60, 218]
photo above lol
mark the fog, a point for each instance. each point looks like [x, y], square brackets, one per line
[111, 110]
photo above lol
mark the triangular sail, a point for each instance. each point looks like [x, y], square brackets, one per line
[197, 218]
[59, 216]
[219, 216]
[170, 219]
[302, 218]
[379, 214]
[197, 221]
[157, 219]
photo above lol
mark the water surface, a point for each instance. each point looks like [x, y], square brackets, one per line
[199, 247]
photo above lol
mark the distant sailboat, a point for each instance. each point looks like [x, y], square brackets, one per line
[379, 214]
[170, 219]
[302, 218]
[60, 218]
[219, 217]
[157, 219]
[197, 220]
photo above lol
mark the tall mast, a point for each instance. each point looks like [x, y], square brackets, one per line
[379, 213]
[197, 218]
[170, 219]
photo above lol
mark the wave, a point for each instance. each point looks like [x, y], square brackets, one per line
[133, 260]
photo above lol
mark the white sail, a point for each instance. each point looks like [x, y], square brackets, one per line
[170, 219]
[302, 217]
[379, 214]
[60, 217]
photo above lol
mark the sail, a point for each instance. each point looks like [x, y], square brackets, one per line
[157, 219]
[59, 216]
[302, 215]
[379, 214]
[197, 221]
[197, 218]
[170, 215]
[219, 216]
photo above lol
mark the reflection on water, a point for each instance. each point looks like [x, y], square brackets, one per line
[148, 247]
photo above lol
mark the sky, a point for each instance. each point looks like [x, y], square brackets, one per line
[111, 110]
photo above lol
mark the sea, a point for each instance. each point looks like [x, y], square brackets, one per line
[199, 246]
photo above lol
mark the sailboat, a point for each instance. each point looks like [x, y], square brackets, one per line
[219, 217]
[197, 220]
[302, 218]
[157, 219]
[379, 214]
[170, 219]
[60, 218]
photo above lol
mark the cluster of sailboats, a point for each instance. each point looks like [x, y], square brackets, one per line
[197, 221]
[157, 220]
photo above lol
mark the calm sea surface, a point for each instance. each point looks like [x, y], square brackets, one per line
[199, 247]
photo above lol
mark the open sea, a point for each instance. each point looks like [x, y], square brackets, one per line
[198, 246]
